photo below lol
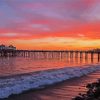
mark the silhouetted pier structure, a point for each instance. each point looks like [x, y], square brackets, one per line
[51, 53]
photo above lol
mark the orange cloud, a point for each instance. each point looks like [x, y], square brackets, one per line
[51, 24]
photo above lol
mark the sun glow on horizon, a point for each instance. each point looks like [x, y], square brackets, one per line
[51, 24]
[56, 43]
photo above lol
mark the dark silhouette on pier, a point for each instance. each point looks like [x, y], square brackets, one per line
[7, 51]
[11, 51]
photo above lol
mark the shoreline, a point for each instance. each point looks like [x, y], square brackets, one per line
[39, 89]
[40, 92]
[42, 79]
[92, 93]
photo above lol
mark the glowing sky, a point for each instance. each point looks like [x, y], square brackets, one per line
[50, 24]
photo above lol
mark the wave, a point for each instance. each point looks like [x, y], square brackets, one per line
[21, 83]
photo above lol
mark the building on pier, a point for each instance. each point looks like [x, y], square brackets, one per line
[2, 47]
[10, 47]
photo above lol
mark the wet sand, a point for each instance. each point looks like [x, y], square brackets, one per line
[61, 91]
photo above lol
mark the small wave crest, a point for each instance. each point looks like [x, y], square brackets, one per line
[20, 83]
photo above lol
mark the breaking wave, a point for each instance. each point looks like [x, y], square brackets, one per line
[20, 83]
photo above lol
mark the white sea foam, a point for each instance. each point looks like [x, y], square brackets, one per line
[20, 83]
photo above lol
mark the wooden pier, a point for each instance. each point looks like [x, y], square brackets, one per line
[49, 53]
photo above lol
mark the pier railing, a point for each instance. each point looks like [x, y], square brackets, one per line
[50, 53]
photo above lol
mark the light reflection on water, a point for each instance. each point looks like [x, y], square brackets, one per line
[62, 91]
[19, 65]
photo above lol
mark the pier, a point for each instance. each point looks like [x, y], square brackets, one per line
[51, 53]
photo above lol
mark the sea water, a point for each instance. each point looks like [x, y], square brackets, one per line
[18, 74]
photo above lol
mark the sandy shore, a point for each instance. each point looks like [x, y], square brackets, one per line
[62, 91]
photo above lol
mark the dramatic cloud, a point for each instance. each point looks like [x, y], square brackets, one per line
[38, 19]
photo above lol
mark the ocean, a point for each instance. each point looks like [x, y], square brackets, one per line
[20, 74]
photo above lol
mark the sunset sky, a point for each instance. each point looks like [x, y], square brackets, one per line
[50, 24]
